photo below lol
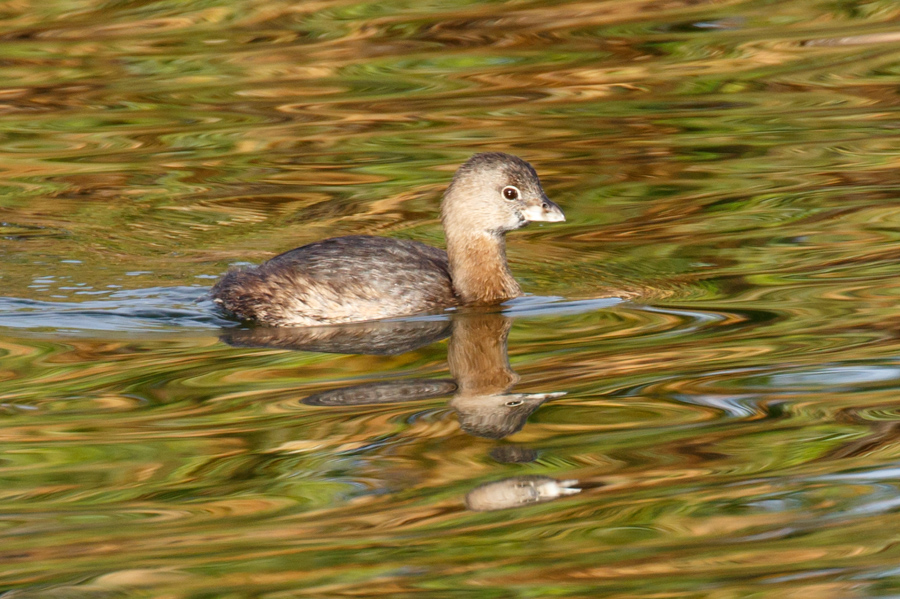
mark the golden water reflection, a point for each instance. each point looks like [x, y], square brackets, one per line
[477, 357]
[729, 168]
[482, 379]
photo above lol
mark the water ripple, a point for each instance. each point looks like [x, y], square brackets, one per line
[709, 347]
[121, 310]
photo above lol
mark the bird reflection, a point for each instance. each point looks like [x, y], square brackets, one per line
[385, 392]
[378, 338]
[478, 361]
[480, 390]
[518, 491]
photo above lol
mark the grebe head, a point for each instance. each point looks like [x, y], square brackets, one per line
[497, 192]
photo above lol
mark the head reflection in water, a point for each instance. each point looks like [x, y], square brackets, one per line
[518, 491]
[478, 362]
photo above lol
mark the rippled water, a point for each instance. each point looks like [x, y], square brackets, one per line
[698, 398]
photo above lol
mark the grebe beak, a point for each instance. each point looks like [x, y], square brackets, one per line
[544, 211]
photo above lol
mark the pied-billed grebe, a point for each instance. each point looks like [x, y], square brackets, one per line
[358, 278]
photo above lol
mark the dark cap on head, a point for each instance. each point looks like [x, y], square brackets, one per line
[512, 166]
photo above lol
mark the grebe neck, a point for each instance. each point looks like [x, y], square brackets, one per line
[478, 267]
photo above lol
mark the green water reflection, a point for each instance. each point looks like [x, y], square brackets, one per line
[728, 173]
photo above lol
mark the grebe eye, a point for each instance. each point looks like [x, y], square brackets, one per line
[510, 193]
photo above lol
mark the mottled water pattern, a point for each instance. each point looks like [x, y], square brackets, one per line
[698, 399]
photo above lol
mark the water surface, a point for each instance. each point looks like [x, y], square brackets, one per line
[708, 352]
